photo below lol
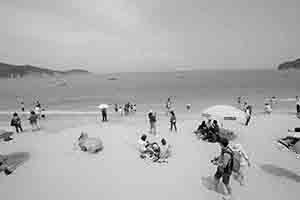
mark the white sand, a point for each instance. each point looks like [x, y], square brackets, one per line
[57, 171]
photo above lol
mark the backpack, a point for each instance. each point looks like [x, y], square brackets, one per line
[234, 163]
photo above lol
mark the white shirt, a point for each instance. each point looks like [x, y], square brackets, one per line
[142, 145]
[164, 150]
[244, 157]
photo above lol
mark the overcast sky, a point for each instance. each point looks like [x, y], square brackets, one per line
[146, 35]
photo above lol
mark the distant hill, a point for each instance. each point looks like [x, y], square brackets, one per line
[8, 71]
[290, 65]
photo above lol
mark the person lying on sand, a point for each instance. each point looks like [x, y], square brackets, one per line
[89, 144]
[212, 133]
[289, 141]
[165, 151]
[294, 130]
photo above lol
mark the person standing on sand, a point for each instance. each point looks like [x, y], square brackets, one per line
[297, 105]
[173, 121]
[33, 120]
[104, 115]
[168, 105]
[152, 121]
[239, 102]
[224, 166]
[16, 122]
[22, 106]
[244, 163]
[248, 114]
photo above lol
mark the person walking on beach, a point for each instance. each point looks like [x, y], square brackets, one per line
[239, 102]
[104, 115]
[298, 105]
[152, 121]
[22, 106]
[16, 122]
[173, 121]
[248, 114]
[224, 166]
[33, 118]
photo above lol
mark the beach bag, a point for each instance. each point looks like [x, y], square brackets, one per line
[235, 161]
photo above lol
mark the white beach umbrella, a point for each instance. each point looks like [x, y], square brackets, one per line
[225, 112]
[103, 106]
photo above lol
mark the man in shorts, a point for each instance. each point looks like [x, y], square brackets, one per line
[224, 165]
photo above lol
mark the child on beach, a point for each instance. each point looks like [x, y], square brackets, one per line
[173, 121]
[33, 120]
[16, 122]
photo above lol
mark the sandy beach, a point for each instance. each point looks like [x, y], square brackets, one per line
[57, 170]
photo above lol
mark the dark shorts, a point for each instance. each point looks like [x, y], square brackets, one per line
[224, 175]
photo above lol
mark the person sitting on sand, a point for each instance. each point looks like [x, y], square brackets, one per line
[202, 129]
[212, 134]
[33, 120]
[142, 144]
[268, 108]
[215, 127]
[16, 122]
[164, 150]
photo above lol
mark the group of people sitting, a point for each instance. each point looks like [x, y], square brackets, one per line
[154, 151]
[208, 131]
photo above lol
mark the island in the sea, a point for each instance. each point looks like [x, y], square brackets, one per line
[290, 65]
[14, 71]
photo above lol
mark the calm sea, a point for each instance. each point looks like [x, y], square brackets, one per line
[151, 89]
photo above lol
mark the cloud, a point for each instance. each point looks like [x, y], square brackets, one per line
[120, 34]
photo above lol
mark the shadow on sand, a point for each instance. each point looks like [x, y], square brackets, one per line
[278, 171]
[14, 160]
[208, 183]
